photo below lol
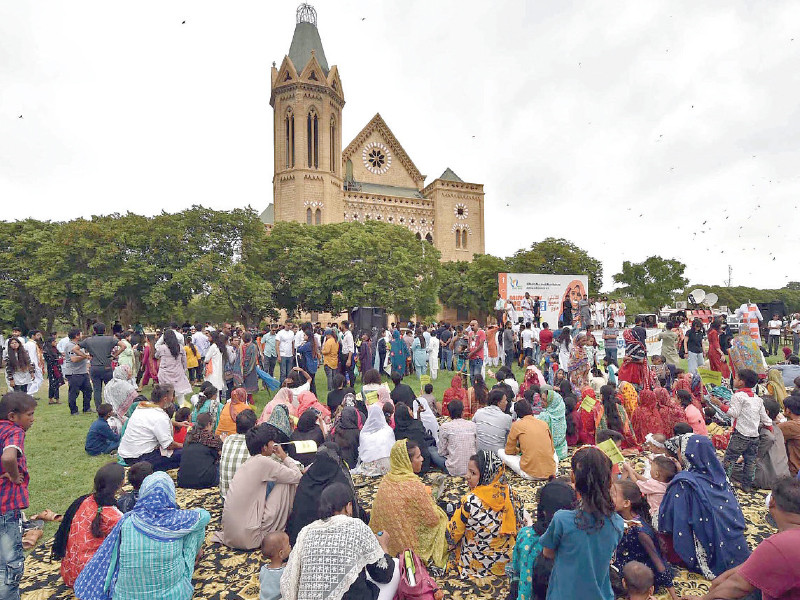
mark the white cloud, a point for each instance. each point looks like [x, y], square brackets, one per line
[681, 112]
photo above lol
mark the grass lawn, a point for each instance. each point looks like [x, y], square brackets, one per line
[61, 470]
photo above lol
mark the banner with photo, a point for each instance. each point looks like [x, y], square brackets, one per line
[549, 291]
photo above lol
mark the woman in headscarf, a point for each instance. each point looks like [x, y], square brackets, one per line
[398, 353]
[684, 382]
[646, 418]
[422, 409]
[308, 428]
[456, 391]
[588, 418]
[670, 411]
[375, 443]
[634, 366]
[227, 416]
[406, 427]
[554, 496]
[308, 400]
[249, 360]
[281, 421]
[334, 554]
[578, 365]
[700, 511]
[150, 552]
[776, 387]
[554, 414]
[404, 508]
[628, 396]
[484, 527]
[345, 433]
[532, 377]
[120, 392]
[283, 397]
[324, 471]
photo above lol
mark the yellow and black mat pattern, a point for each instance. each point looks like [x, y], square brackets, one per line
[225, 574]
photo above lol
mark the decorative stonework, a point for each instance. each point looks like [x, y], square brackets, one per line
[462, 227]
[313, 204]
[461, 211]
[377, 158]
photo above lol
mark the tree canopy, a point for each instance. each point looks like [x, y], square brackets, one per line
[654, 281]
[558, 257]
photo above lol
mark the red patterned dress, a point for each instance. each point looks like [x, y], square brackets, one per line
[81, 544]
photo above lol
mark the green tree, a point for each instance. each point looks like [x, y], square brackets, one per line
[454, 290]
[792, 285]
[654, 281]
[558, 257]
[482, 280]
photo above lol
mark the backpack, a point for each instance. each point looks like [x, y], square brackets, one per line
[425, 588]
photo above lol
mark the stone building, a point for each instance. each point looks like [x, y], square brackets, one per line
[317, 180]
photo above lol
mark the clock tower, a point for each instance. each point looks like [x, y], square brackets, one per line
[307, 100]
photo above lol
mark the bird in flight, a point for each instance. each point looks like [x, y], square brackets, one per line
[183, 22]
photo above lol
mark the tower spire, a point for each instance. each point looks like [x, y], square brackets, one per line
[306, 14]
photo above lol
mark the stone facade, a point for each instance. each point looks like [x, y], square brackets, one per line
[316, 181]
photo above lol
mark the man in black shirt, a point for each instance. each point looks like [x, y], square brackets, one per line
[103, 349]
[446, 348]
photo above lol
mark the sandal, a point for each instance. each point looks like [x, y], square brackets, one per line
[48, 515]
[30, 538]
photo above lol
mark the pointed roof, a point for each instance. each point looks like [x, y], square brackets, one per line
[305, 41]
[449, 175]
[378, 123]
[268, 216]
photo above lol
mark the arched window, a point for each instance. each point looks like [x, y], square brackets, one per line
[308, 216]
[464, 238]
[289, 135]
[458, 238]
[419, 236]
[312, 131]
[333, 145]
[318, 217]
[348, 175]
[429, 238]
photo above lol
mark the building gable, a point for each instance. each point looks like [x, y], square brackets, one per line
[376, 156]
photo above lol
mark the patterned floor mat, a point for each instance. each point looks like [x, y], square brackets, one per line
[226, 574]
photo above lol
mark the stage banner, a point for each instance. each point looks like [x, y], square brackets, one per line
[550, 290]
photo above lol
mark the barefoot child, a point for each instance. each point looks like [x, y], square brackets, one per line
[16, 417]
[276, 548]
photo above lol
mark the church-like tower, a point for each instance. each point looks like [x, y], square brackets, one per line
[307, 101]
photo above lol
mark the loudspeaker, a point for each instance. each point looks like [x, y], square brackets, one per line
[367, 319]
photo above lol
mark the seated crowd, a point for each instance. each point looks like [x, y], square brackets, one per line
[609, 529]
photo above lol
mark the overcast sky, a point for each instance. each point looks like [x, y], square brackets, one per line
[621, 126]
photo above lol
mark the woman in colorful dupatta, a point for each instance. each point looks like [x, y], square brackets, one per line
[456, 391]
[634, 366]
[700, 511]
[483, 530]
[554, 414]
[404, 508]
[120, 392]
[229, 412]
[646, 418]
[628, 396]
[588, 419]
[670, 411]
[684, 382]
[533, 376]
[285, 397]
[151, 551]
[149, 362]
[579, 368]
[398, 353]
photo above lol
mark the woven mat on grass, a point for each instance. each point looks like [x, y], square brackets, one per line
[225, 574]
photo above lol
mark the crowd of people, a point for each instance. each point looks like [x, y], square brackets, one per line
[645, 491]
